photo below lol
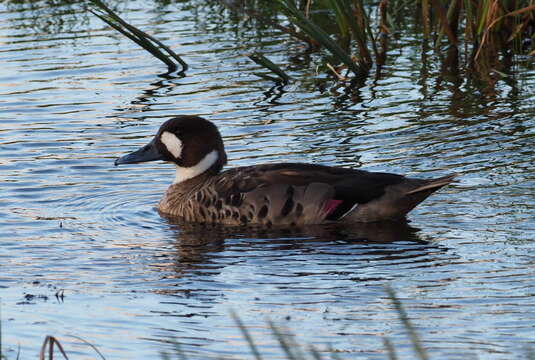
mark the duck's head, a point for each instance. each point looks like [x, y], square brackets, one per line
[191, 142]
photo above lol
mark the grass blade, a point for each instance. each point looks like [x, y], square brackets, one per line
[425, 19]
[390, 349]
[298, 18]
[341, 21]
[91, 345]
[156, 53]
[415, 340]
[178, 351]
[469, 31]
[141, 38]
[483, 16]
[268, 64]
[315, 353]
[51, 341]
[497, 20]
[359, 25]
[284, 342]
[169, 51]
[259, 15]
[247, 336]
[444, 21]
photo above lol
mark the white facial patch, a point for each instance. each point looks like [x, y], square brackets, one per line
[172, 143]
[185, 173]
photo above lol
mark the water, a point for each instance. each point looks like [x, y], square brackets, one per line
[74, 95]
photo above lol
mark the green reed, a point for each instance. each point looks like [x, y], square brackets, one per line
[486, 30]
[146, 41]
[268, 64]
[298, 18]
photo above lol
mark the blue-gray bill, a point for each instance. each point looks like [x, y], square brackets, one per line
[148, 152]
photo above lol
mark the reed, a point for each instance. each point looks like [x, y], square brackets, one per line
[50, 342]
[354, 32]
[487, 30]
[425, 19]
[291, 349]
[416, 343]
[285, 339]
[146, 41]
[268, 64]
[498, 19]
[298, 18]
[247, 336]
[391, 352]
[89, 344]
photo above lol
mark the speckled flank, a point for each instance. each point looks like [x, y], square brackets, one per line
[205, 199]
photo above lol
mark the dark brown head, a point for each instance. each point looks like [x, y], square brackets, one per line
[191, 142]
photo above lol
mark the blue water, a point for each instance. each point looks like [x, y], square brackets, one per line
[74, 95]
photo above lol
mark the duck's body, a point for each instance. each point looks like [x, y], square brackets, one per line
[271, 194]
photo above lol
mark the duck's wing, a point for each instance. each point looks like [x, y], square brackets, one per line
[307, 193]
[262, 195]
[298, 193]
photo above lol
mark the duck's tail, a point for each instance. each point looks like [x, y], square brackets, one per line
[433, 184]
[421, 190]
[398, 199]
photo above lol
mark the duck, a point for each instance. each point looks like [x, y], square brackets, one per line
[271, 194]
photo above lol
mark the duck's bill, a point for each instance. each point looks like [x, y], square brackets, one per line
[148, 152]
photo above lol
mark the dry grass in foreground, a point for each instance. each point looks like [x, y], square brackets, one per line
[52, 348]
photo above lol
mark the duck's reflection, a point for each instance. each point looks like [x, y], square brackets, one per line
[197, 245]
[210, 265]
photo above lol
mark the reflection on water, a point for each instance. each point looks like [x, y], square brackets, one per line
[196, 243]
[74, 95]
[315, 269]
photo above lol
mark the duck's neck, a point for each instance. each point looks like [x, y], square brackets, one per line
[186, 173]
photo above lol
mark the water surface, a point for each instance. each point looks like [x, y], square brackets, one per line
[74, 95]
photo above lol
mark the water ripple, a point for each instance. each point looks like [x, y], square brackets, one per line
[75, 95]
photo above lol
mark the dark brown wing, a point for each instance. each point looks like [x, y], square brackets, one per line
[299, 193]
[263, 196]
